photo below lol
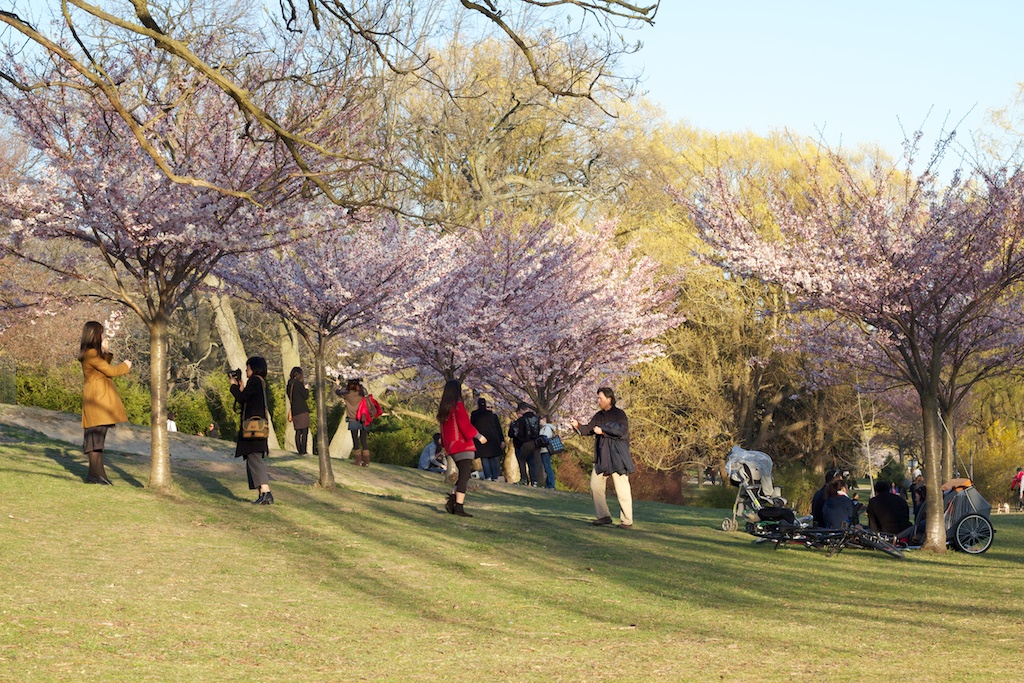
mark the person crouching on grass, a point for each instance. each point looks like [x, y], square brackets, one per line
[611, 458]
[457, 435]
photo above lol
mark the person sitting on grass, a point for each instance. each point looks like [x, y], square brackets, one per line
[432, 456]
[915, 534]
[839, 508]
[887, 512]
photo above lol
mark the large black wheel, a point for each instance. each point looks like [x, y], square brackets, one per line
[973, 534]
[876, 542]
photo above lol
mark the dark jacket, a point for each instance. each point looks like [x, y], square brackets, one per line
[520, 428]
[298, 396]
[253, 403]
[611, 449]
[888, 513]
[488, 424]
[817, 503]
[839, 510]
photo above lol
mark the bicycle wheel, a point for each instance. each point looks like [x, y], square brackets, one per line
[876, 542]
[973, 534]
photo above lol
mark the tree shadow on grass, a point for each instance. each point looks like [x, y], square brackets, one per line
[212, 485]
[80, 470]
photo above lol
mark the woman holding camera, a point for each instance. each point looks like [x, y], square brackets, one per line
[353, 395]
[101, 405]
[253, 397]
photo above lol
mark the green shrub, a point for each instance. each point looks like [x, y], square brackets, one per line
[722, 496]
[60, 388]
[892, 472]
[398, 442]
[191, 411]
[57, 388]
[798, 485]
[136, 398]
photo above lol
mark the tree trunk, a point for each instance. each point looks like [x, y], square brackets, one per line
[289, 359]
[935, 527]
[326, 479]
[160, 453]
[227, 328]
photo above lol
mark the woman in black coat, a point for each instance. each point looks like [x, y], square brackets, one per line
[298, 409]
[253, 397]
[488, 424]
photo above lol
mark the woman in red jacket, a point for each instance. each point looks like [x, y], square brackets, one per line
[457, 434]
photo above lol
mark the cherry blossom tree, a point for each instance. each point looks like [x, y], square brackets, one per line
[102, 215]
[536, 311]
[596, 315]
[929, 275]
[496, 275]
[350, 277]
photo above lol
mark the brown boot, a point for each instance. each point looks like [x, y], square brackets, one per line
[366, 458]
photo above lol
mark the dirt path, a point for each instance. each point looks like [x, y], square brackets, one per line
[127, 438]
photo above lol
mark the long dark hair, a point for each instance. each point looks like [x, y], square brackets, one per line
[92, 338]
[451, 395]
[609, 393]
[258, 365]
[296, 373]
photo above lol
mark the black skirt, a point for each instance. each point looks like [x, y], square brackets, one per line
[247, 447]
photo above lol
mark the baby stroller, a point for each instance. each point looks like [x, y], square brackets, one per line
[751, 471]
[966, 516]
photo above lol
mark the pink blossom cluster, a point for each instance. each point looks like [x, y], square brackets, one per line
[536, 312]
[912, 271]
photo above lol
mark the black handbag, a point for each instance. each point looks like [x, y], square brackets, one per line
[555, 445]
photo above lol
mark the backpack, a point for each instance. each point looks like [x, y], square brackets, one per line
[368, 410]
[532, 427]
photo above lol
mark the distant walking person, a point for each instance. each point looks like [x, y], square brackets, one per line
[101, 405]
[547, 431]
[611, 458]
[298, 409]
[488, 424]
[524, 432]
[253, 397]
[457, 436]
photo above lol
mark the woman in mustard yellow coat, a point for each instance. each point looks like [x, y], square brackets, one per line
[101, 405]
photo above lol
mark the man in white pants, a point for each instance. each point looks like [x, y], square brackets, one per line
[610, 426]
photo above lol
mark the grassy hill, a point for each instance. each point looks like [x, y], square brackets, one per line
[373, 581]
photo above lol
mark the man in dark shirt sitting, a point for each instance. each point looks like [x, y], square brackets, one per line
[887, 512]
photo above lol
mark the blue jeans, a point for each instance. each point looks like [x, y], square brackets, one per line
[549, 473]
[492, 470]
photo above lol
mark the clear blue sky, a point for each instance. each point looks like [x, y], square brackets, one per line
[848, 71]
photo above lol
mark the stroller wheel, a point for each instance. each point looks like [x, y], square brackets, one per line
[729, 524]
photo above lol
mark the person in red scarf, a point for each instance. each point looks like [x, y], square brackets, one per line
[457, 435]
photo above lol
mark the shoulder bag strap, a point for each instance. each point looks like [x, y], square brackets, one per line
[266, 403]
